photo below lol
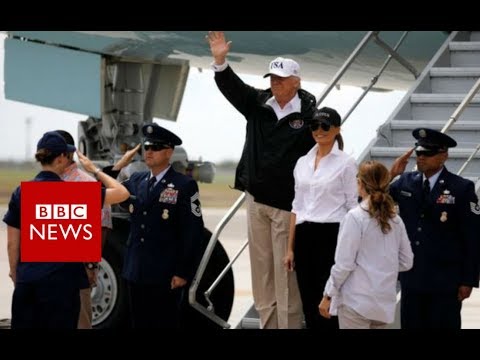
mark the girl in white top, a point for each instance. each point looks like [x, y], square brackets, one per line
[325, 189]
[372, 248]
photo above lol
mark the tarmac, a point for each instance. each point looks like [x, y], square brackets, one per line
[232, 238]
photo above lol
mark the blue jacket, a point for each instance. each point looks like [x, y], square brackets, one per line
[444, 231]
[166, 229]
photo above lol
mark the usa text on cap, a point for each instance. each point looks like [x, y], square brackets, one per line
[283, 67]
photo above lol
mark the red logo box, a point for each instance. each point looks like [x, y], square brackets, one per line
[61, 222]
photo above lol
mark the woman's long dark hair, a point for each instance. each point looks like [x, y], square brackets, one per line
[375, 178]
[339, 139]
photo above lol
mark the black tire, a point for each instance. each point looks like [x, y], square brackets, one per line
[117, 315]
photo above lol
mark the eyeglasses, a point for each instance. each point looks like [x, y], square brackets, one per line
[314, 126]
[428, 153]
[157, 147]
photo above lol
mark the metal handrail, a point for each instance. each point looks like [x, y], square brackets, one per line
[465, 164]
[222, 274]
[377, 76]
[396, 55]
[392, 53]
[192, 297]
[459, 110]
[345, 66]
[456, 114]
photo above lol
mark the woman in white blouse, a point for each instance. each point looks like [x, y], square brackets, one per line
[325, 189]
[372, 248]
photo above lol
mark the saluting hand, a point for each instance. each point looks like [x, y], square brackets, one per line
[126, 158]
[87, 164]
[219, 46]
[400, 163]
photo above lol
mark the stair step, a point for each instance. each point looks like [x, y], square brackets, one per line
[464, 46]
[442, 106]
[455, 71]
[434, 124]
[464, 53]
[466, 133]
[422, 98]
[446, 80]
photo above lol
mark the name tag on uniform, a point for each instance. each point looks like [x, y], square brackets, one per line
[168, 196]
[406, 193]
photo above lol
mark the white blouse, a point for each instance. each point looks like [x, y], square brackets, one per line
[326, 194]
[367, 262]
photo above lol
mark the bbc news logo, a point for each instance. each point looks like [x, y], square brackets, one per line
[61, 222]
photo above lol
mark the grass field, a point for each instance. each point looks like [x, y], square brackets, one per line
[218, 194]
[11, 177]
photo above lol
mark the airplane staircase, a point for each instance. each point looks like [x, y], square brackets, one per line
[431, 101]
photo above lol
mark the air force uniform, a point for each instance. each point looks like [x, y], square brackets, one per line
[165, 234]
[443, 227]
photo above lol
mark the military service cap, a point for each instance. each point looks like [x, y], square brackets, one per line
[154, 134]
[429, 139]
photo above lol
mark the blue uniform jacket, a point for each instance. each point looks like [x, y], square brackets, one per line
[444, 231]
[166, 229]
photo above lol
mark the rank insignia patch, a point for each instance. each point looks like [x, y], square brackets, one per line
[195, 203]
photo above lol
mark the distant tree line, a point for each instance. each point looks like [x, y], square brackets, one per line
[26, 165]
[19, 165]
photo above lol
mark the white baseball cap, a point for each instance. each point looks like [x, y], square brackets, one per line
[283, 67]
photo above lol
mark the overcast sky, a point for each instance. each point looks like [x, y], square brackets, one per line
[208, 125]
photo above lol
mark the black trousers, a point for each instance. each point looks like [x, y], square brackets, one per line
[314, 256]
[154, 306]
[52, 302]
[430, 310]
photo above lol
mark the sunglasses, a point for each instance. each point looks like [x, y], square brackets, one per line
[156, 147]
[428, 153]
[314, 126]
